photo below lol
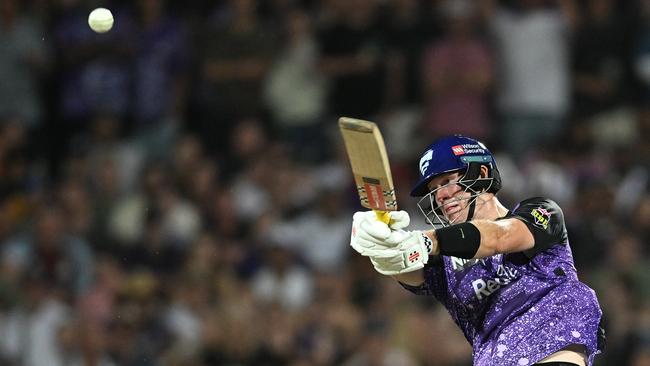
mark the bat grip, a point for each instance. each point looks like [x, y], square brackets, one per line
[383, 216]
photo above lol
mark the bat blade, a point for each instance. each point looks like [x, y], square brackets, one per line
[370, 167]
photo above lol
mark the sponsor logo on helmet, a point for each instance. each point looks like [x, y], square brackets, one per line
[468, 149]
[424, 161]
[542, 217]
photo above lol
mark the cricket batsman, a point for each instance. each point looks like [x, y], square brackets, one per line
[506, 276]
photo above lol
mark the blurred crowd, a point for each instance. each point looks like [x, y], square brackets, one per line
[175, 191]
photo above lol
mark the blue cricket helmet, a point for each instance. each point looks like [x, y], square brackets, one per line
[457, 153]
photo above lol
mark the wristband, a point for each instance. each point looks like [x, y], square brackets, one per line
[460, 240]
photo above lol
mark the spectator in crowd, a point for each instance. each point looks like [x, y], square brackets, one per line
[600, 64]
[641, 51]
[409, 27]
[236, 49]
[320, 235]
[531, 43]
[23, 62]
[160, 75]
[458, 75]
[51, 249]
[351, 56]
[31, 328]
[160, 65]
[296, 92]
[93, 69]
[280, 280]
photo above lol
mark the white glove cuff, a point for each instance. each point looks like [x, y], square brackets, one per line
[427, 242]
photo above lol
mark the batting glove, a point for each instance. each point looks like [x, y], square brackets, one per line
[410, 253]
[364, 223]
[390, 251]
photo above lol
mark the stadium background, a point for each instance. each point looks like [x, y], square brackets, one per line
[174, 192]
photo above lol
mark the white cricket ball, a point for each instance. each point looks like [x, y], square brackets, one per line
[100, 20]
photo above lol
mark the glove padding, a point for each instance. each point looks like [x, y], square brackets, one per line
[391, 250]
[367, 230]
[409, 254]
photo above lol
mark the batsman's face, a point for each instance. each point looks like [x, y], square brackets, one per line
[450, 197]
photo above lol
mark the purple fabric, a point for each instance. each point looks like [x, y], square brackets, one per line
[516, 311]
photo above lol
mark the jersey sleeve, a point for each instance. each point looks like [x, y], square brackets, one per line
[434, 281]
[544, 219]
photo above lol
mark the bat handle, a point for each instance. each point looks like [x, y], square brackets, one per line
[383, 216]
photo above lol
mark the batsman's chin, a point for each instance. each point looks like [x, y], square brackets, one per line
[455, 216]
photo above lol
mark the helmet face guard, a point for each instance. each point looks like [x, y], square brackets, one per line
[433, 210]
[455, 154]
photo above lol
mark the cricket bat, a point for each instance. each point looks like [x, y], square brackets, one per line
[370, 167]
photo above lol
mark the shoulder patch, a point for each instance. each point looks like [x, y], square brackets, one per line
[542, 217]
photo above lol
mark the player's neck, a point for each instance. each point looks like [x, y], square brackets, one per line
[488, 207]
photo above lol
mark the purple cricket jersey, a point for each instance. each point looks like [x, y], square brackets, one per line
[518, 308]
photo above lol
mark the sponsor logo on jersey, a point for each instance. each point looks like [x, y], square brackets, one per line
[484, 288]
[542, 217]
[460, 264]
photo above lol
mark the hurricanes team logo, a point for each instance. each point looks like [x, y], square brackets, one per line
[424, 161]
[542, 217]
